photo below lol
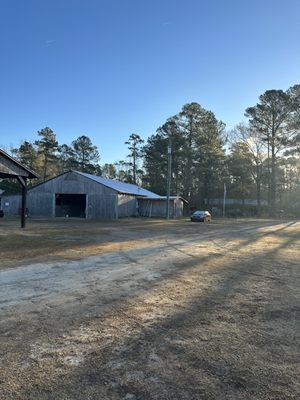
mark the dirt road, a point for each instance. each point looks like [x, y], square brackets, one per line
[150, 310]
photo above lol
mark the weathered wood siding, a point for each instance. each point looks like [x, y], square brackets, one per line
[154, 208]
[101, 206]
[127, 206]
[157, 208]
[40, 204]
[11, 204]
[101, 200]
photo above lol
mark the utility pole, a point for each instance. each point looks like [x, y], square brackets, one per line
[269, 180]
[224, 199]
[134, 164]
[169, 179]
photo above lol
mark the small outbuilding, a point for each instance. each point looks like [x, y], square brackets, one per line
[82, 195]
[156, 206]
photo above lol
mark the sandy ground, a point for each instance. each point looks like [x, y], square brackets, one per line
[150, 310]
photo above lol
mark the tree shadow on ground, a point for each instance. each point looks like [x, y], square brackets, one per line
[219, 344]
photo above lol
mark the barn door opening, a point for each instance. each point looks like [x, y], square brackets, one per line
[70, 205]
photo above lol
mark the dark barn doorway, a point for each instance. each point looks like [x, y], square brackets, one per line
[70, 205]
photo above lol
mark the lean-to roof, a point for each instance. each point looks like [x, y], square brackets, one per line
[11, 168]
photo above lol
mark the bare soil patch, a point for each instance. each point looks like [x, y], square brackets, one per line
[140, 309]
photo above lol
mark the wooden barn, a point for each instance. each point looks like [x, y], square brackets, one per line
[78, 194]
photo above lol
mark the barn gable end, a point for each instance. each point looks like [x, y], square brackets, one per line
[61, 196]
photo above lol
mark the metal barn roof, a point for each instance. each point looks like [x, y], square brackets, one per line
[121, 187]
[165, 198]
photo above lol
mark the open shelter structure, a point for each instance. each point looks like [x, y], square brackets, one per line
[11, 168]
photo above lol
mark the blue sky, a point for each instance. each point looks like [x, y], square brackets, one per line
[110, 68]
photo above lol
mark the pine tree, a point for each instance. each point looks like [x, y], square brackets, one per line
[47, 148]
[134, 146]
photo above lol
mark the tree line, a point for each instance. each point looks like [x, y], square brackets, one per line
[255, 160]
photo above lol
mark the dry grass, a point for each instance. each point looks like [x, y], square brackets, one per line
[168, 311]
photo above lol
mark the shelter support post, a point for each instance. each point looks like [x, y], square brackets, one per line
[23, 183]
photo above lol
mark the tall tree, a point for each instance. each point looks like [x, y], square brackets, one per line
[189, 120]
[240, 166]
[156, 160]
[197, 154]
[155, 163]
[272, 118]
[254, 150]
[26, 154]
[209, 158]
[134, 143]
[294, 94]
[86, 155]
[109, 171]
[203, 152]
[47, 147]
[123, 171]
[66, 158]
